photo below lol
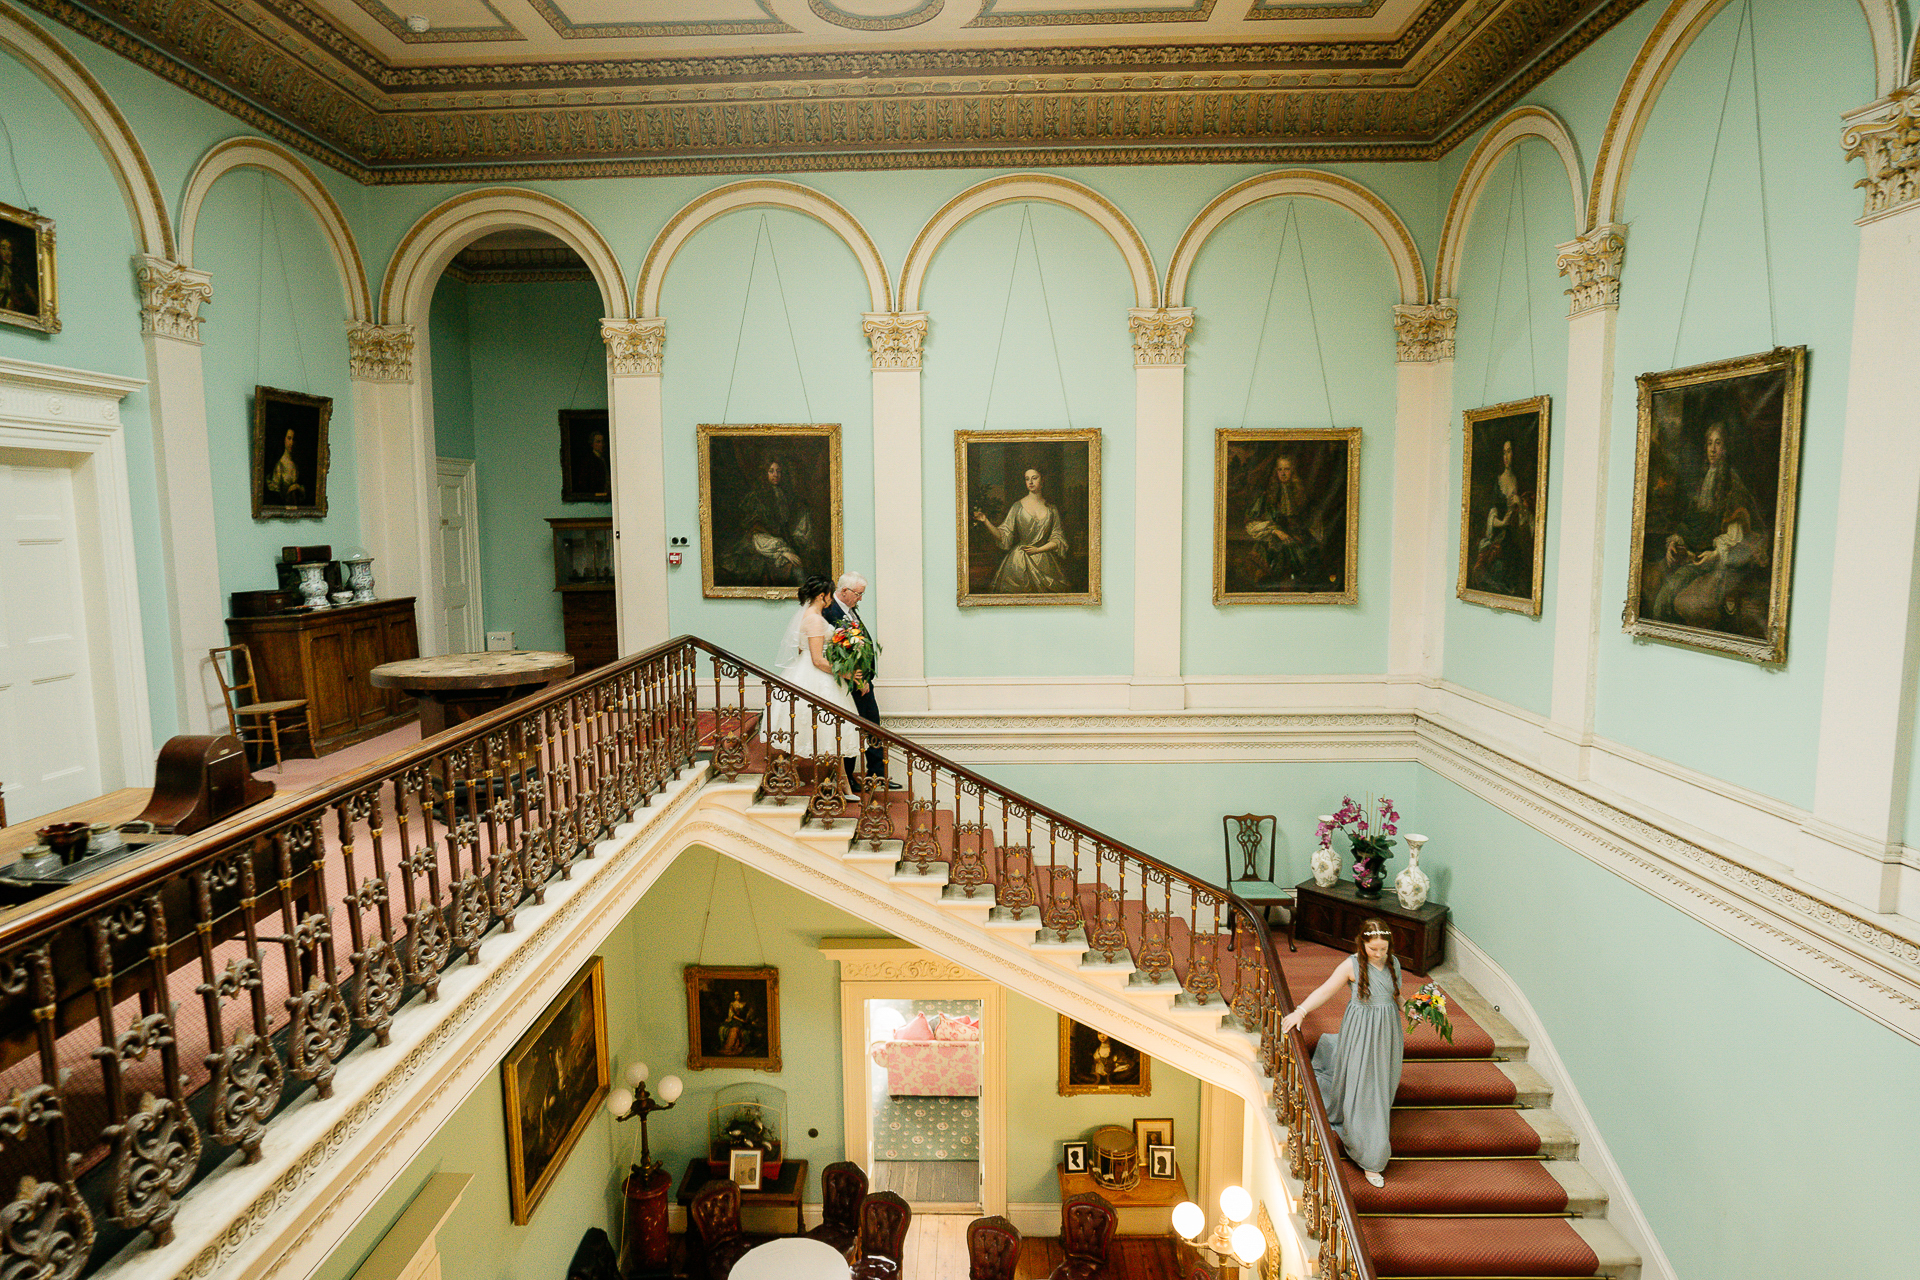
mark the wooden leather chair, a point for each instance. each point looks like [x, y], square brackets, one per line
[1087, 1227]
[1251, 835]
[993, 1249]
[240, 681]
[884, 1218]
[843, 1185]
[715, 1214]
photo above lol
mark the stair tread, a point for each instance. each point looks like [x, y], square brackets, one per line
[1478, 1247]
[1443, 1082]
[1519, 1186]
[1464, 1132]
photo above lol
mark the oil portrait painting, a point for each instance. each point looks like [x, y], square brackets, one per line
[586, 457]
[1503, 489]
[1715, 477]
[733, 1017]
[289, 454]
[554, 1080]
[28, 296]
[1094, 1062]
[1285, 516]
[769, 508]
[1028, 516]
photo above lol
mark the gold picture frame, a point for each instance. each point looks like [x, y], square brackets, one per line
[1503, 504]
[1124, 1069]
[291, 456]
[1712, 570]
[29, 283]
[733, 1017]
[766, 519]
[555, 1079]
[990, 470]
[1255, 561]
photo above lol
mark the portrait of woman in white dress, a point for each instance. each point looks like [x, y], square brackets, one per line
[1029, 516]
[1035, 543]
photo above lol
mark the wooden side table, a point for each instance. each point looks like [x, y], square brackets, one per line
[1146, 1210]
[782, 1193]
[1332, 917]
[458, 687]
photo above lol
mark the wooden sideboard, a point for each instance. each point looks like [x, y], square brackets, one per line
[1333, 916]
[324, 656]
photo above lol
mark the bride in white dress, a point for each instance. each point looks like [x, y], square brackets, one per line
[801, 662]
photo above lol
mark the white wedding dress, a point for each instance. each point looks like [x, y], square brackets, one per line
[797, 669]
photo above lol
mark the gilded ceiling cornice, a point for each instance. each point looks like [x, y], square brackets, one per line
[929, 108]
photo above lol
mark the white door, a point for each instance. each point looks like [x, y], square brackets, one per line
[49, 744]
[459, 558]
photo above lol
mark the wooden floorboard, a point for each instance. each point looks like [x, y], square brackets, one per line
[929, 1182]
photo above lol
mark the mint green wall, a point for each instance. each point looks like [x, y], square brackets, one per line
[535, 349]
[1510, 343]
[1751, 725]
[452, 362]
[278, 319]
[1238, 376]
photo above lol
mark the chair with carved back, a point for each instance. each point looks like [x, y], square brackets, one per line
[884, 1219]
[245, 711]
[715, 1214]
[1087, 1227]
[1251, 873]
[843, 1185]
[993, 1249]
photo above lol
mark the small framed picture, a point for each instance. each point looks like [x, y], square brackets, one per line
[290, 456]
[1160, 1163]
[27, 293]
[743, 1168]
[1152, 1133]
[1075, 1154]
[586, 467]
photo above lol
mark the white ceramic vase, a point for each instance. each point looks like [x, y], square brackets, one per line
[1326, 863]
[360, 576]
[1411, 886]
[313, 584]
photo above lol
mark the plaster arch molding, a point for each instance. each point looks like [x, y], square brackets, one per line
[1665, 46]
[270, 157]
[1408, 271]
[431, 243]
[736, 196]
[61, 72]
[1012, 189]
[1512, 129]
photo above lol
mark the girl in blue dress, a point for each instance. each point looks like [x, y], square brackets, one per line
[1358, 1068]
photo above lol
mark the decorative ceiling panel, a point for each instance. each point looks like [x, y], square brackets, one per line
[514, 89]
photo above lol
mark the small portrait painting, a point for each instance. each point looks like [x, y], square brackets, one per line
[586, 456]
[1503, 509]
[27, 293]
[1148, 1134]
[1094, 1062]
[1073, 1156]
[1715, 476]
[1028, 516]
[1286, 510]
[743, 1168]
[554, 1080]
[769, 508]
[733, 1017]
[1160, 1163]
[289, 454]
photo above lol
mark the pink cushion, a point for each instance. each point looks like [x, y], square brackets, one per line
[956, 1029]
[915, 1030]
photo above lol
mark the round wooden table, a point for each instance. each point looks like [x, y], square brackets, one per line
[457, 687]
[791, 1258]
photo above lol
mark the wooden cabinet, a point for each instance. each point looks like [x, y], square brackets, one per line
[583, 575]
[1332, 916]
[324, 656]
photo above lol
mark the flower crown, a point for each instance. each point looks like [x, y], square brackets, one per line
[1376, 933]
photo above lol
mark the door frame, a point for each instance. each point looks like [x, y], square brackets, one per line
[464, 470]
[49, 409]
[893, 969]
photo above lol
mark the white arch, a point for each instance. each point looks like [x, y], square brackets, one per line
[1508, 132]
[64, 74]
[1408, 271]
[1036, 186]
[1665, 45]
[754, 194]
[271, 157]
[452, 225]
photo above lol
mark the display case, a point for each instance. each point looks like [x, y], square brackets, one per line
[583, 575]
[748, 1114]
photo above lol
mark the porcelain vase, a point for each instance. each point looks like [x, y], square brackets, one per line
[1411, 886]
[360, 577]
[313, 584]
[1326, 863]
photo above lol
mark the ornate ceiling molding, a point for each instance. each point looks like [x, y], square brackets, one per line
[286, 69]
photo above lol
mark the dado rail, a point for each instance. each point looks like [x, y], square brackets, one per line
[154, 1023]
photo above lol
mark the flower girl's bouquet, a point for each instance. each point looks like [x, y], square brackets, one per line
[850, 652]
[1428, 1005]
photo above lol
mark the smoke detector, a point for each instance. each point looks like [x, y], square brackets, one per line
[418, 23]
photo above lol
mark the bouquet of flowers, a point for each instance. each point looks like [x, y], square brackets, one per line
[1370, 829]
[849, 651]
[1428, 1005]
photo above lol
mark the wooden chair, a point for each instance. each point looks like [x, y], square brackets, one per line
[993, 1249]
[884, 1218]
[843, 1185]
[1252, 836]
[715, 1214]
[1087, 1227]
[240, 680]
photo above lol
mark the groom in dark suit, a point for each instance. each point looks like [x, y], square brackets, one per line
[844, 605]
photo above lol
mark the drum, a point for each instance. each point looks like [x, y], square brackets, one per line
[1116, 1158]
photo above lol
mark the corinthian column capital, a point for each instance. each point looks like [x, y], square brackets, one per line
[895, 337]
[1593, 264]
[1425, 332]
[170, 297]
[1886, 134]
[1160, 336]
[380, 352]
[635, 346]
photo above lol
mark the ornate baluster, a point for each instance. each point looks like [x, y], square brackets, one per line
[1203, 973]
[968, 868]
[429, 944]
[378, 984]
[729, 723]
[828, 800]
[247, 1075]
[1156, 925]
[876, 808]
[530, 790]
[320, 1022]
[1015, 890]
[506, 875]
[1062, 911]
[467, 911]
[46, 1232]
[1108, 935]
